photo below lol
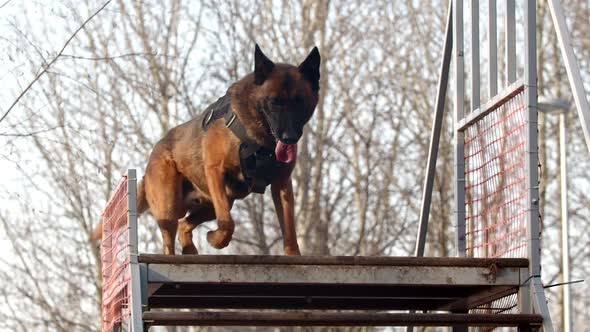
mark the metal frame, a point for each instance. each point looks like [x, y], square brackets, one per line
[531, 295]
[459, 113]
[435, 136]
[565, 248]
[311, 318]
[135, 321]
[583, 108]
[454, 34]
[331, 283]
[491, 105]
[561, 108]
[510, 35]
[492, 49]
[397, 271]
[571, 66]
[475, 75]
[533, 230]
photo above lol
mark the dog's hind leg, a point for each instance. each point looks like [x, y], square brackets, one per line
[168, 229]
[164, 196]
[187, 225]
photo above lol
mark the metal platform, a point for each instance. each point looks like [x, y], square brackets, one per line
[217, 318]
[311, 284]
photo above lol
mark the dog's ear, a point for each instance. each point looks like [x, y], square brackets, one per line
[310, 68]
[262, 66]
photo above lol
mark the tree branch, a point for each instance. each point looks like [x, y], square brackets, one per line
[52, 61]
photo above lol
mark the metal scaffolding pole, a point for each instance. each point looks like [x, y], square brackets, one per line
[534, 282]
[565, 249]
[136, 322]
[459, 99]
[571, 66]
[435, 136]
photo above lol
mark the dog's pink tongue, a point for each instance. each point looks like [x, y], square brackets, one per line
[286, 153]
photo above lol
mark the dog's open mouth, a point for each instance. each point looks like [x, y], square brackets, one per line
[286, 153]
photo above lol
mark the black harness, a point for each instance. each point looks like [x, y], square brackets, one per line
[258, 163]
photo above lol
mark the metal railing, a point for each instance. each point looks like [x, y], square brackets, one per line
[496, 170]
[121, 300]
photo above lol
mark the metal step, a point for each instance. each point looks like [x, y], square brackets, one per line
[337, 283]
[310, 318]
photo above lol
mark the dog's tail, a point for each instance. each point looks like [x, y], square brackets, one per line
[142, 206]
[97, 232]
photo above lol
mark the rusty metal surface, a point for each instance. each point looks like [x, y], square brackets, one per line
[332, 260]
[334, 274]
[298, 302]
[310, 318]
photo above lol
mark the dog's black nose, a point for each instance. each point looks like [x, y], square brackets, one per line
[289, 136]
[288, 140]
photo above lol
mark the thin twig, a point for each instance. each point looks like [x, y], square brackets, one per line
[78, 57]
[4, 4]
[29, 134]
[52, 61]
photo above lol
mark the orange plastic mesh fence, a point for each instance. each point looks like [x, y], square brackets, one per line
[495, 182]
[115, 259]
[496, 193]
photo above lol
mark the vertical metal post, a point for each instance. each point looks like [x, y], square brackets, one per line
[435, 136]
[571, 66]
[136, 322]
[459, 99]
[434, 140]
[510, 41]
[565, 249]
[532, 182]
[459, 114]
[475, 76]
[492, 50]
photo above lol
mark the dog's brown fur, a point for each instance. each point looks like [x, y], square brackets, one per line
[188, 169]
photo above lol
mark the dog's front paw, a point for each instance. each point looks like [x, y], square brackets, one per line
[219, 239]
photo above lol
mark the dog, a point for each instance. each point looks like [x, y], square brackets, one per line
[242, 143]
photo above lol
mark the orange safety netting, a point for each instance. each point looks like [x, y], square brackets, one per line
[496, 193]
[495, 182]
[115, 259]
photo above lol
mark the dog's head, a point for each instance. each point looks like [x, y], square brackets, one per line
[286, 97]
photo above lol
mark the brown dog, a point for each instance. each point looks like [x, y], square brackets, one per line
[243, 142]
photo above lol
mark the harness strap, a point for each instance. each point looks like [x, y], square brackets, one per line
[255, 160]
[236, 126]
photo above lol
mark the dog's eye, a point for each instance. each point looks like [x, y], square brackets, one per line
[277, 102]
